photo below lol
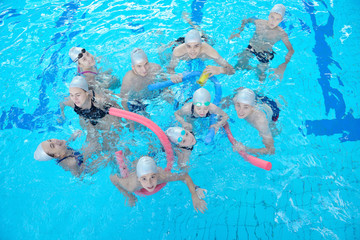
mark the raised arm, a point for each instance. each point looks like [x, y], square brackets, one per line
[241, 28]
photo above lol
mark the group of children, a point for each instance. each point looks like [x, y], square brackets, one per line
[90, 96]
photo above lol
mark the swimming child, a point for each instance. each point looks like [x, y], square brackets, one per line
[66, 157]
[134, 91]
[194, 48]
[267, 33]
[92, 109]
[165, 56]
[201, 108]
[148, 176]
[184, 141]
[258, 116]
[86, 67]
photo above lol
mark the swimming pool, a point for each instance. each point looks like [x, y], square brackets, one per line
[311, 191]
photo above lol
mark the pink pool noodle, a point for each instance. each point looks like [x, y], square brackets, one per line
[159, 133]
[251, 159]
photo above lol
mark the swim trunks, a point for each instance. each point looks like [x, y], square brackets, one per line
[264, 56]
[136, 106]
[272, 104]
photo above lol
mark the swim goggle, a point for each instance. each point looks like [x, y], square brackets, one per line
[182, 134]
[198, 104]
[80, 55]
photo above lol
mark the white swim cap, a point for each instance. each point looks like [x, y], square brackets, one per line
[74, 53]
[79, 82]
[145, 166]
[175, 134]
[246, 96]
[137, 56]
[201, 95]
[193, 36]
[41, 155]
[279, 9]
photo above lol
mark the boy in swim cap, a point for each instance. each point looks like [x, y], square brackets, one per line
[135, 82]
[246, 108]
[194, 48]
[86, 67]
[200, 108]
[184, 141]
[148, 176]
[165, 56]
[267, 33]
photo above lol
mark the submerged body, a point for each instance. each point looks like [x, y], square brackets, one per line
[267, 33]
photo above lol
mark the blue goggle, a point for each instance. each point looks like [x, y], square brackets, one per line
[182, 134]
[199, 104]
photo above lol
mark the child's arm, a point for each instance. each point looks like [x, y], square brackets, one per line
[218, 111]
[130, 198]
[185, 110]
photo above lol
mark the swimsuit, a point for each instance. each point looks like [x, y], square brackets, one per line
[136, 106]
[94, 113]
[81, 73]
[187, 148]
[77, 155]
[264, 56]
[208, 114]
[272, 104]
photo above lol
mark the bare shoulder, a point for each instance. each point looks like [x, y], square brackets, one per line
[129, 75]
[130, 183]
[155, 67]
[260, 22]
[209, 51]
[180, 50]
[186, 108]
[282, 32]
[68, 163]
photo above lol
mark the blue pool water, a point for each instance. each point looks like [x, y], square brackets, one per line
[312, 191]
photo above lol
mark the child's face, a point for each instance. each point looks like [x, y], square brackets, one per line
[149, 181]
[201, 110]
[187, 140]
[274, 20]
[243, 110]
[193, 49]
[87, 60]
[78, 96]
[141, 68]
[54, 147]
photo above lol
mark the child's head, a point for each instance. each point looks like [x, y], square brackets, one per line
[276, 15]
[201, 102]
[83, 57]
[244, 102]
[180, 136]
[193, 43]
[147, 173]
[139, 62]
